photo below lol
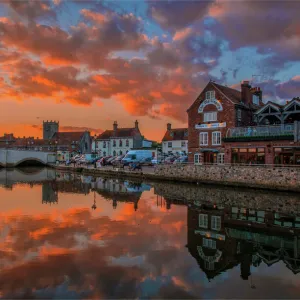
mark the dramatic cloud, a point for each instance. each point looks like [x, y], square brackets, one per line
[154, 59]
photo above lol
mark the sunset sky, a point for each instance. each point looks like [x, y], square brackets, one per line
[87, 64]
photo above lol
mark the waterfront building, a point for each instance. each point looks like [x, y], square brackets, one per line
[118, 141]
[216, 109]
[175, 140]
[274, 140]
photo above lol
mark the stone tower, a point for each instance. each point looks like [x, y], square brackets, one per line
[49, 129]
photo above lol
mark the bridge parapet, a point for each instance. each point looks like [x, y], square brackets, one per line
[12, 158]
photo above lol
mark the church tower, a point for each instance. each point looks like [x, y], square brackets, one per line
[49, 129]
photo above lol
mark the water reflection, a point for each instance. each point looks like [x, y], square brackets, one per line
[73, 236]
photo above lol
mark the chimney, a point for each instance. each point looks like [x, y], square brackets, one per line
[168, 126]
[115, 125]
[136, 123]
[246, 93]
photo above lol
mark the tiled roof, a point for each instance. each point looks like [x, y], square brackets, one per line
[275, 104]
[120, 132]
[177, 134]
[68, 136]
[232, 94]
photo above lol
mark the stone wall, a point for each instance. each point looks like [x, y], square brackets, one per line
[224, 196]
[250, 176]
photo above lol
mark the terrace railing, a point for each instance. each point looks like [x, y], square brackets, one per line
[261, 131]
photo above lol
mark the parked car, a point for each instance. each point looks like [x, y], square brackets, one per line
[181, 159]
[156, 161]
[170, 160]
[147, 161]
[136, 156]
[118, 160]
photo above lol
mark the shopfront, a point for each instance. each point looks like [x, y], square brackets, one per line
[254, 156]
[287, 155]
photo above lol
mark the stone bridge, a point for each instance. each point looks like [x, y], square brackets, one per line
[13, 158]
[9, 177]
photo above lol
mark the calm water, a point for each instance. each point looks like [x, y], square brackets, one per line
[66, 236]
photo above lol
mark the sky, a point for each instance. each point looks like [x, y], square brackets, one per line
[87, 64]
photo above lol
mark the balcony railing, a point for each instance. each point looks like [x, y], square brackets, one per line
[261, 131]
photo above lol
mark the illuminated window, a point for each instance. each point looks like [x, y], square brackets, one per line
[216, 223]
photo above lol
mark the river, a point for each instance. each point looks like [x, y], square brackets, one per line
[71, 236]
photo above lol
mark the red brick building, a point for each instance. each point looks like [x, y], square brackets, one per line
[217, 109]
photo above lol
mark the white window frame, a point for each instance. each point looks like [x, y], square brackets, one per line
[216, 138]
[203, 138]
[220, 158]
[169, 143]
[203, 220]
[209, 243]
[210, 116]
[183, 144]
[210, 95]
[215, 223]
[239, 114]
[197, 159]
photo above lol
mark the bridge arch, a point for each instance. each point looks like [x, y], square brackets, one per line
[29, 159]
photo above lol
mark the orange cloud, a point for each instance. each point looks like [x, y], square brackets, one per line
[182, 34]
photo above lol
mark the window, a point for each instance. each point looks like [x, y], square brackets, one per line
[127, 143]
[104, 153]
[255, 99]
[120, 143]
[169, 144]
[208, 243]
[183, 144]
[104, 144]
[216, 138]
[114, 143]
[197, 158]
[114, 153]
[210, 95]
[203, 220]
[239, 115]
[216, 223]
[203, 138]
[121, 153]
[220, 158]
[210, 116]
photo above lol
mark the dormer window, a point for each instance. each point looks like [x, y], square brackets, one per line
[210, 95]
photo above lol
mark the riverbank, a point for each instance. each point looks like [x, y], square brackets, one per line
[257, 177]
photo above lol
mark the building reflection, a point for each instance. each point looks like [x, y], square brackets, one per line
[220, 238]
[114, 190]
[120, 191]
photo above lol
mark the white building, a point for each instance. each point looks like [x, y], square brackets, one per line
[118, 141]
[175, 141]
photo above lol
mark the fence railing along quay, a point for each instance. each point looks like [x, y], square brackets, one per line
[261, 131]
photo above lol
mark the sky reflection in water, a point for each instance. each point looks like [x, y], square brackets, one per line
[141, 242]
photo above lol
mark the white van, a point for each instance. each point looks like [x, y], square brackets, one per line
[136, 156]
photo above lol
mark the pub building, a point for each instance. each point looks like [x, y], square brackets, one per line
[273, 141]
[217, 109]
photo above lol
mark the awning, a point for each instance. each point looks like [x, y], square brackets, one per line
[209, 150]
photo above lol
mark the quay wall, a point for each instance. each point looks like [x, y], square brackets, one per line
[248, 176]
[261, 177]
